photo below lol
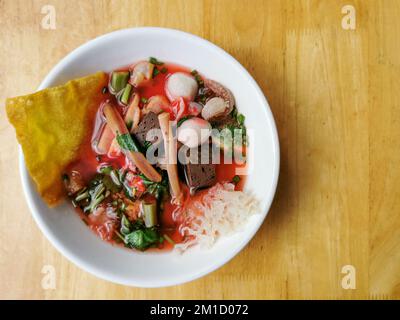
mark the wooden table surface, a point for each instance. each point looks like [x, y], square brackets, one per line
[335, 95]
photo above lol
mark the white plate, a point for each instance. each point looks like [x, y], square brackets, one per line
[71, 236]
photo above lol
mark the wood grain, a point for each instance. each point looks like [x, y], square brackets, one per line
[335, 95]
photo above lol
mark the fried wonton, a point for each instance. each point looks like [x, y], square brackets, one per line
[51, 126]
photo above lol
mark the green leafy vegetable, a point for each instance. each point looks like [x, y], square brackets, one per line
[236, 179]
[106, 169]
[198, 78]
[157, 189]
[110, 178]
[136, 235]
[237, 122]
[109, 184]
[202, 99]
[126, 142]
[240, 119]
[147, 144]
[144, 100]
[155, 72]
[94, 203]
[95, 181]
[125, 226]
[115, 178]
[142, 239]
[99, 189]
[164, 70]
[82, 195]
[123, 206]
[129, 125]
[155, 61]
[135, 240]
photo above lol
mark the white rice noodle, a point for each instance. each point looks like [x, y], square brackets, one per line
[221, 212]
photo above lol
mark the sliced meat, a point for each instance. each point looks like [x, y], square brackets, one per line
[148, 122]
[199, 175]
[156, 104]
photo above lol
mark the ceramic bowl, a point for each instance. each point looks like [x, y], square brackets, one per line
[66, 231]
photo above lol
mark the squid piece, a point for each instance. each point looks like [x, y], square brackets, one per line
[178, 108]
[215, 108]
[140, 72]
[156, 104]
